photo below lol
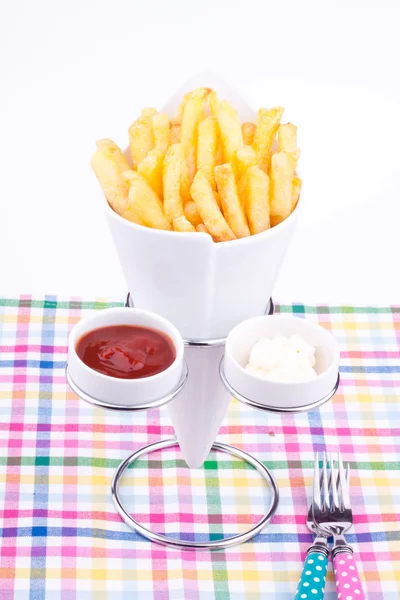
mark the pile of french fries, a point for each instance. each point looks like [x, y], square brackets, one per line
[203, 170]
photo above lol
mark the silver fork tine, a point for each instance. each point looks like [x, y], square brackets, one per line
[316, 486]
[334, 483]
[325, 505]
[343, 485]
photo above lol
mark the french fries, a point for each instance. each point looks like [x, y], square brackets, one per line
[193, 113]
[254, 191]
[296, 191]
[151, 168]
[192, 214]
[175, 132]
[206, 148]
[185, 179]
[245, 158]
[108, 164]
[266, 128]
[182, 224]
[179, 111]
[219, 153]
[287, 137]
[248, 131]
[287, 140]
[229, 126]
[230, 203]
[141, 139]
[202, 194]
[144, 203]
[161, 132]
[203, 170]
[217, 198]
[173, 206]
[281, 186]
[148, 112]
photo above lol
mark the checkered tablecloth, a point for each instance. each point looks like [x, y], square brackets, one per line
[61, 537]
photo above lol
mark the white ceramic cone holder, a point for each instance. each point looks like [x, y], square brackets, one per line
[204, 289]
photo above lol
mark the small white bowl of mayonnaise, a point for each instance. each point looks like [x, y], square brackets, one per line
[281, 361]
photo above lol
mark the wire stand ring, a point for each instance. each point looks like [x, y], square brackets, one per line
[123, 407]
[187, 545]
[274, 409]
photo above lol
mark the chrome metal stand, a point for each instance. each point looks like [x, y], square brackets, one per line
[170, 443]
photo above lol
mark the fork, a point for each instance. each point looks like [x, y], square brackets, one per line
[312, 580]
[333, 516]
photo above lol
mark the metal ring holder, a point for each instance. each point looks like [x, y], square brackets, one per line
[169, 443]
[274, 409]
[186, 545]
[122, 407]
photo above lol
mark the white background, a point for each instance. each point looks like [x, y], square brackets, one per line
[75, 71]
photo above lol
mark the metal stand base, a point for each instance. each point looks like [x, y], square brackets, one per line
[186, 545]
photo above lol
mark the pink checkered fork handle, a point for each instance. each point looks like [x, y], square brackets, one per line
[333, 516]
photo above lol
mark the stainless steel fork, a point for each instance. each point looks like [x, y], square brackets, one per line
[313, 576]
[333, 516]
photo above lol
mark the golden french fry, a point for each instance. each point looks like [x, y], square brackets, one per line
[185, 179]
[281, 184]
[191, 163]
[108, 163]
[179, 111]
[175, 132]
[129, 212]
[173, 206]
[182, 224]
[206, 147]
[202, 194]
[248, 131]
[245, 157]
[231, 205]
[161, 132]
[201, 228]
[267, 126]
[219, 153]
[294, 157]
[192, 214]
[287, 140]
[217, 198]
[143, 201]
[193, 112]
[229, 126]
[151, 168]
[141, 139]
[287, 137]
[254, 192]
[148, 112]
[213, 102]
[296, 189]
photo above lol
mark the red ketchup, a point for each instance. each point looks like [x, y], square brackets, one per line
[126, 351]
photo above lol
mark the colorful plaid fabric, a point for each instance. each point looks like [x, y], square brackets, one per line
[61, 536]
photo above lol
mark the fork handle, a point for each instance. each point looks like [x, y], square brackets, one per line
[312, 580]
[348, 582]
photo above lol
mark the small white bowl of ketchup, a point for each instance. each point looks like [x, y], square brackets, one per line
[125, 357]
